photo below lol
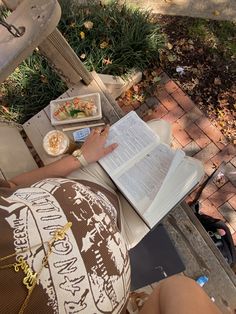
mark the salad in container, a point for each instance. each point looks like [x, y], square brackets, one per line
[76, 109]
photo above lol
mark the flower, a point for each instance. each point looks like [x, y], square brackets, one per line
[82, 35]
[104, 45]
[88, 24]
[107, 61]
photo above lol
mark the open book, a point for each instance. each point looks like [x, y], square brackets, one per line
[151, 175]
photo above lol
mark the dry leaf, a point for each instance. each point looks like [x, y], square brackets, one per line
[217, 81]
[169, 46]
[72, 25]
[104, 45]
[82, 35]
[107, 61]
[216, 13]
[171, 58]
[156, 79]
[43, 79]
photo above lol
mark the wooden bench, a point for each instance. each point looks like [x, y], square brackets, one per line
[196, 248]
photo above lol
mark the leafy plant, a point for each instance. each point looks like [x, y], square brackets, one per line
[29, 89]
[111, 38]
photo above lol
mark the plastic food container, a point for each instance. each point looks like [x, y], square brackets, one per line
[60, 105]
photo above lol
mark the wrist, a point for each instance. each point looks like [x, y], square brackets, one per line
[78, 154]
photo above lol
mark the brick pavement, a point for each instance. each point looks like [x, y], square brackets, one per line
[198, 137]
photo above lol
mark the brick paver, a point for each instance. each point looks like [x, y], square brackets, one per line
[183, 100]
[231, 229]
[209, 167]
[171, 87]
[225, 155]
[222, 195]
[127, 109]
[194, 114]
[203, 123]
[166, 100]
[214, 134]
[162, 111]
[230, 171]
[232, 202]
[210, 189]
[206, 207]
[229, 214]
[142, 109]
[151, 102]
[174, 114]
[198, 137]
[182, 137]
[233, 161]
[191, 149]
[207, 152]
[184, 121]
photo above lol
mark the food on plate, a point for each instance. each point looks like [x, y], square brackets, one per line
[75, 109]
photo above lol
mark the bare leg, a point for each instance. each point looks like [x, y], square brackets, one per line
[161, 127]
[179, 295]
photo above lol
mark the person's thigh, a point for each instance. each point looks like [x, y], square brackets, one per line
[162, 128]
[179, 295]
[94, 173]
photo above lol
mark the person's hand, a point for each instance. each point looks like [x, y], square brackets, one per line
[94, 147]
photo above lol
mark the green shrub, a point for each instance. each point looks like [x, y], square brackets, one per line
[29, 89]
[111, 38]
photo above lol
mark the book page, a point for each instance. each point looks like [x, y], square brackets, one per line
[187, 175]
[143, 180]
[141, 166]
[134, 138]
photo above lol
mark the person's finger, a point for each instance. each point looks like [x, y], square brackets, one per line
[105, 131]
[107, 128]
[97, 130]
[110, 148]
[92, 132]
[104, 134]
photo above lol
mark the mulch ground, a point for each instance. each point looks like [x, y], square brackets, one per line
[207, 72]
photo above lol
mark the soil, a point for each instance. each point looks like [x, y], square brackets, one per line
[207, 71]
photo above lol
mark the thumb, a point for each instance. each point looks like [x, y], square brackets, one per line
[110, 148]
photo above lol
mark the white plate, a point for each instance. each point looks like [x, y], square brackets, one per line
[54, 104]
